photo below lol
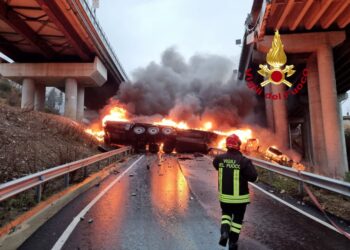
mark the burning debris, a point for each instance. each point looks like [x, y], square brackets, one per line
[272, 153]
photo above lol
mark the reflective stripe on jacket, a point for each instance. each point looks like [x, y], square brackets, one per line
[234, 172]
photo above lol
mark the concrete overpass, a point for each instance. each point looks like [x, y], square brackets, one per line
[61, 44]
[315, 35]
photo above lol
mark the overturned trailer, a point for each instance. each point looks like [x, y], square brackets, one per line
[143, 135]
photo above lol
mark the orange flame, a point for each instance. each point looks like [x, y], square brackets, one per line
[118, 114]
[98, 134]
[110, 113]
[207, 126]
[171, 123]
[243, 134]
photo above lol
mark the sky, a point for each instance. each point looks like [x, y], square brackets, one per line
[140, 30]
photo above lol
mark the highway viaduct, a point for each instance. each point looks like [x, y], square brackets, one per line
[61, 44]
[170, 201]
[315, 35]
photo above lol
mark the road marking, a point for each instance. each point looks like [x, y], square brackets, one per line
[289, 205]
[64, 237]
[294, 207]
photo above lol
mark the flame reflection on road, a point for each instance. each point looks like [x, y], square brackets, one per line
[169, 190]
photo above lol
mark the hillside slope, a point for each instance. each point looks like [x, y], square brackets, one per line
[32, 141]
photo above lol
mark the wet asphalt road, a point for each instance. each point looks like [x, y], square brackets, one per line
[161, 215]
[267, 222]
[165, 206]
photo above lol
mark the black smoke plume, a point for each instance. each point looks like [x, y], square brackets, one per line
[202, 89]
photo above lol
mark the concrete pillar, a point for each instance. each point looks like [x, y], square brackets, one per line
[80, 107]
[319, 151]
[269, 109]
[70, 108]
[28, 90]
[39, 100]
[342, 98]
[337, 164]
[280, 116]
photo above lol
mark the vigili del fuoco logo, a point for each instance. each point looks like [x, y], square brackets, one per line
[276, 72]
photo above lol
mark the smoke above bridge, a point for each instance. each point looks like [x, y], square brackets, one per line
[201, 89]
[201, 94]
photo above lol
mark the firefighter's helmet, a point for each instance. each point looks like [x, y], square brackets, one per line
[233, 141]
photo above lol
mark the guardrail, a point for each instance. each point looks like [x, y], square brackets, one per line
[334, 185]
[14, 187]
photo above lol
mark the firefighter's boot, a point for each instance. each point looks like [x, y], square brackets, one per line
[232, 245]
[225, 230]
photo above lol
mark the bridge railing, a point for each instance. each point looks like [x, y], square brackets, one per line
[102, 34]
[36, 180]
[334, 185]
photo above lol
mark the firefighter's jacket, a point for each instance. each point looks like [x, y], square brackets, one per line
[234, 172]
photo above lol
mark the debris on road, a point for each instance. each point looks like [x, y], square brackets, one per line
[184, 158]
[90, 221]
[115, 172]
[198, 155]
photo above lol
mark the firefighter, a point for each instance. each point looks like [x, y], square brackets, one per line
[234, 172]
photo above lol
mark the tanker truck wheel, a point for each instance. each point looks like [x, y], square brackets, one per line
[153, 148]
[153, 130]
[139, 130]
[168, 147]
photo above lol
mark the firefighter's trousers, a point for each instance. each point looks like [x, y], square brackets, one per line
[233, 214]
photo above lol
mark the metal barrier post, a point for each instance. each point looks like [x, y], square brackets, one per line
[38, 193]
[85, 174]
[66, 180]
[300, 188]
[270, 177]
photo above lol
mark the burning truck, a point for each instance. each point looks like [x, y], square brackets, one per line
[143, 136]
[151, 136]
[116, 128]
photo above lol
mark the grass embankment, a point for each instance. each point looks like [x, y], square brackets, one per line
[333, 203]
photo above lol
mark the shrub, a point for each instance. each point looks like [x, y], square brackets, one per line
[5, 86]
[14, 98]
[347, 177]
